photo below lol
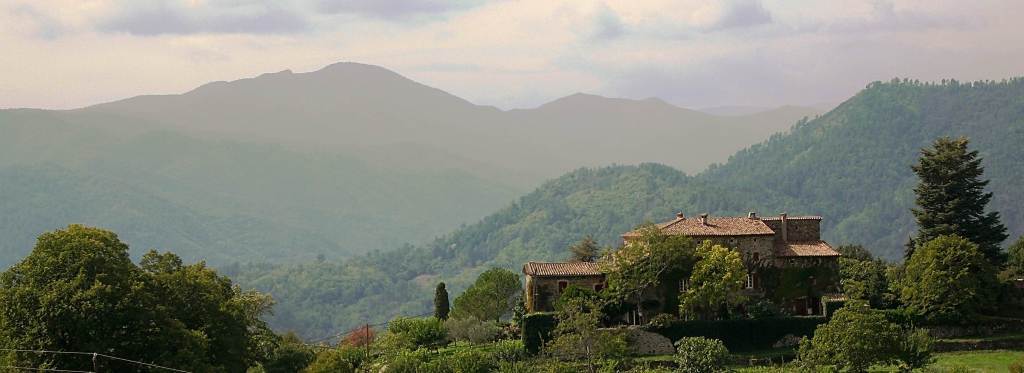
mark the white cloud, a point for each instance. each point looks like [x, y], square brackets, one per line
[68, 53]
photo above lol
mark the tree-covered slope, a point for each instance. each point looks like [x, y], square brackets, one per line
[221, 201]
[851, 165]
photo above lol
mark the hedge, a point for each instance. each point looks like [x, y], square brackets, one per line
[831, 306]
[537, 329]
[742, 334]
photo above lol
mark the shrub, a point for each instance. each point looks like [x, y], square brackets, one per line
[471, 361]
[342, 360]
[509, 351]
[359, 337]
[290, 355]
[537, 330]
[701, 355]
[763, 309]
[423, 332]
[662, 320]
[573, 292]
[405, 361]
[471, 329]
[854, 339]
[1017, 367]
[514, 367]
[915, 350]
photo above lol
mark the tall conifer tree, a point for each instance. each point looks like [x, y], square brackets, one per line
[441, 305]
[951, 199]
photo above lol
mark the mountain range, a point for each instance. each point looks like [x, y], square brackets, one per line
[352, 158]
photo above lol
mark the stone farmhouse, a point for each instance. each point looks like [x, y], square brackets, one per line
[786, 260]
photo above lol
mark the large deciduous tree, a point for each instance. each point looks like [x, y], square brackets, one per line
[716, 281]
[865, 279]
[951, 199]
[948, 279]
[646, 262]
[490, 297]
[584, 251]
[78, 290]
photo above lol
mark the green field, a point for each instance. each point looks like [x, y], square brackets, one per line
[979, 361]
[976, 361]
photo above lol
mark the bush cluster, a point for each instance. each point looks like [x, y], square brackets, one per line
[537, 330]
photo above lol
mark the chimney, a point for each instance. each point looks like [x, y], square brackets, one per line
[785, 228]
[704, 219]
[679, 215]
[752, 215]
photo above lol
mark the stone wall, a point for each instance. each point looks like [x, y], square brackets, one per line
[642, 342]
[542, 292]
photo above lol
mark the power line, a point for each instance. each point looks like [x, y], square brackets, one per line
[94, 355]
[142, 363]
[45, 369]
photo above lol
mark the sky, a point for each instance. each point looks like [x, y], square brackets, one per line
[61, 54]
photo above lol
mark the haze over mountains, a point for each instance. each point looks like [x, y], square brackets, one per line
[347, 159]
[851, 165]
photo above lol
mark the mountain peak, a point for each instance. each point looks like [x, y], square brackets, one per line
[592, 102]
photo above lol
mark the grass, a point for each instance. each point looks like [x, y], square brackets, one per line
[997, 361]
[979, 361]
[999, 337]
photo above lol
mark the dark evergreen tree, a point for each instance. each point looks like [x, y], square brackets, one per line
[584, 251]
[441, 305]
[951, 199]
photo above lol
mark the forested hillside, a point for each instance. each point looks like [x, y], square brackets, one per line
[851, 165]
[221, 201]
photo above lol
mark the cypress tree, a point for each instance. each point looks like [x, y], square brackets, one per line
[441, 306]
[951, 199]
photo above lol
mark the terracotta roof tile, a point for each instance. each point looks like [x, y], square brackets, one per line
[773, 218]
[716, 226]
[562, 269]
[805, 249]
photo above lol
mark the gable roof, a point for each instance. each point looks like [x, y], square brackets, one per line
[715, 226]
[804, 249]
[562, 269]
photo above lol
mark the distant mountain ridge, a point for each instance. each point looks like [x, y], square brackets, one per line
[364, 106]
[345, 160]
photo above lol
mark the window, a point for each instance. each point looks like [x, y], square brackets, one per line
[562, 285]
[757, 256]
[598, 287]
[750, 281]
[683, 285]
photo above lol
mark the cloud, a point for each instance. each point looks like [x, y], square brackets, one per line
[744, 14]
[885, 17]
[607, 24]
[46, 26]
[393, 9]
[732, 15]
[176, 18]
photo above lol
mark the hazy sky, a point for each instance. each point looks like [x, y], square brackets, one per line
[71, 53]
